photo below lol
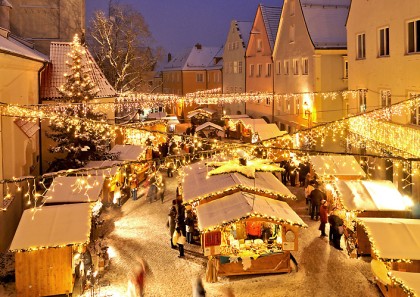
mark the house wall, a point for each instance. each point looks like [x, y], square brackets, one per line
[19, 154]
[255, 56]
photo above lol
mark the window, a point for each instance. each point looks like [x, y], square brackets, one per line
[178, 77]
[240, 67]
[278, 67]
[259, 45]
[295, 66]
[235, 67]
[385, 97]
[361, 46]
[415, 112]
[268, 100]
[346, 69]
[230, 67]
[292, 7]
[199, 77]
[268, 68]
[305, 66]
[362, 100]
[259, 70]
[292, 33]
[286, 67]
[251, 70]
[414, 36]
[384, 42]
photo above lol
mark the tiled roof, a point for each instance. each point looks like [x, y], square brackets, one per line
[271, 17]
[244, 29]
[326, 22]
[195, 59]
[53, 75]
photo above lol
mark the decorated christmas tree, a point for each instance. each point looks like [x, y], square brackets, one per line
[76, 132]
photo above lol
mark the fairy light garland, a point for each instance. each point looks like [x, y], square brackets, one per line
[409, 291]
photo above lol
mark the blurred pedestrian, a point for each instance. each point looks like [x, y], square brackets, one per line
[180, 240]
[172, 222]
[133, 186]
[198, 288]
[336, 229]
[137, 280]
[323, 214]
[189, 225]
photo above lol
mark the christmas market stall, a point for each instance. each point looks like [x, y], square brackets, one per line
[210, 130]
[45, 244]
[233, 126]
[328, 167]
[134, 153]
[201, 115]
[368, 198]
[244, 233]
[396, 254]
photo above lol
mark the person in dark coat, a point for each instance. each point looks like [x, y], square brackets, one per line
[180, 219]
[336, 223]
[323, 214]
[172, 222]
[292, 174]
[316, 197]
[189, 223]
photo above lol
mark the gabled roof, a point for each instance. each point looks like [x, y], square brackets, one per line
[326, 22]
[53, 75]
[197, 58]
[16, 46]
[271, 17]
[244, 29]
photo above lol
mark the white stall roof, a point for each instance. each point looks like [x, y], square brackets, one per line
[197, 184]
[235, 116]
[209, 125]
[109, 172]
[394, 238]
[53, 226]
[72, 189]
[410, 280]
[370, 195]
[336, 165]
[240, 205]
[128, 152]
[201, 111]
[251, 123]
[267, 131]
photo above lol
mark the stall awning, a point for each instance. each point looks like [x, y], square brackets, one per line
[336, 165]
[128, 152]
[360, 195]
[72, 189]
[197, 184]
[235, 116]
[108, 172]
[209, 125]
[394, 238]
[53, 226]
[243, 205]
[409, 280]
[267, 131]
[204, 112]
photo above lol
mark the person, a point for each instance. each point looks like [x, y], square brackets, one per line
[323, 214]
[137, 281]
[316, 197]
[172, 222]
[152, 192]
[193, 130]
[227, 132]
[117, 194]
[180, 219]
[308, 191]
[336, 229]
[170, 170]
[189, 223]
[198, 288]
[133, 186]
[180, 240]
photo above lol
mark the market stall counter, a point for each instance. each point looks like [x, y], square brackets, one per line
[245, 233]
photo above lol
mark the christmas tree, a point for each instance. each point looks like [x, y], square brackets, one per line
[76, 133]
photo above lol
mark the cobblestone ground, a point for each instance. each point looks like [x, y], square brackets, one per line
[138, 229]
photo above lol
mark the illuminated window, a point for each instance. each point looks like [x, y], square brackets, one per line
[259, 70]
[385, 98]
[240, 67]
[415, 112]
[362, 100]
[199, 77]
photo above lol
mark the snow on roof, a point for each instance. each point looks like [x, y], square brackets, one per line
[209, 125]
[244, 29]
[108, 172]
[14, 45]
[271, 17]
[128, 152]
[53, 226]
[326, 22]
[235, 116]
[410, 280]
[197, 184]
[195, 59]
[394, 238]
[53, 75]
[205, 111]
[74, 189]
[336, 165]
[240, 205]
[248, 122]
[359, 195]
[267, 131]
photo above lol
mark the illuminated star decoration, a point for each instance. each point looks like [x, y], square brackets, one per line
[248, 170]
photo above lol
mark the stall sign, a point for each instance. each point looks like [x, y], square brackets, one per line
[212, 250]
[288, 246]
[213, 238]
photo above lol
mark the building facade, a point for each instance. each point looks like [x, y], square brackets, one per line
[383, 57]
[259, 63]
[310, 58]
[234, 78]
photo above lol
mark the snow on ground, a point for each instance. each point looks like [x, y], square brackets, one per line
[138, 229]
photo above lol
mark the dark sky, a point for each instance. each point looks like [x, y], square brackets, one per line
[179, 24]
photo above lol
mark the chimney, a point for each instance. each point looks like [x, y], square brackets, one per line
[198, 46]
[5, 8]
[169, 57]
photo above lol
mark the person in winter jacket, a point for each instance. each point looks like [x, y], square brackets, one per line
[336, 229]
[323, 214]
[172, 222]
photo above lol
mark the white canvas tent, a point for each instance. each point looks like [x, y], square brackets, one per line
[108, 172]
[72, 189]
[53, 226]
[128, 152]
[267, 131]
[361, 195]
[197, 184]
[241, 205]
[394, 238]
[337, 166]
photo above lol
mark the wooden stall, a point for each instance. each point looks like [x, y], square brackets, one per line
[396, 249]
[210, 130]
[201, 115]
[248, 234]
[328, 167]
[233, 125]
[44, 245]
[367, 198]
[133, 153]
